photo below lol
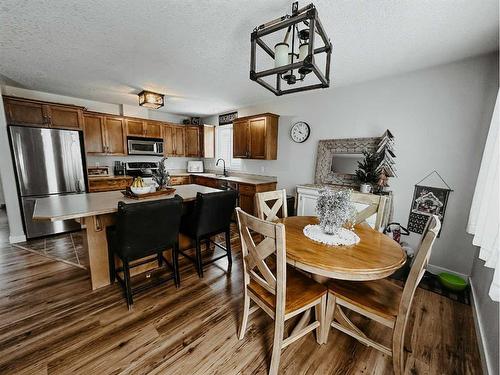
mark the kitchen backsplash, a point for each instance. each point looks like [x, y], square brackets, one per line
[171, 163]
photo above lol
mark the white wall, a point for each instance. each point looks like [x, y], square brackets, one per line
[8, 181]
[436, 116]
[6, 167]
[487, 315]
[2, 199]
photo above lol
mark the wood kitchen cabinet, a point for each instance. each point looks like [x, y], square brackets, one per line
[142, 128]
[206, 181]
[104, 135]
[247, 195]
[256, 137]
[109, 184]
[173, 140]
[208, 141]
[192, 142]
[37, 113]
[180, 180]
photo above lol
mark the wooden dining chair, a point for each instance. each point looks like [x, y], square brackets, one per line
[382, 301]
[267, 212]
[375, 205]
[280, 291]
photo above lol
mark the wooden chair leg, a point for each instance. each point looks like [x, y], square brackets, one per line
[320, 313]
[398, 346]
[330, 310]
[112, 267]
[128, 288]
[199, 261]
[228, 249]
[175, 265]
[276, 353]
[244, 319]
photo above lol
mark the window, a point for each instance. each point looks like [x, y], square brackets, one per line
[225, 146]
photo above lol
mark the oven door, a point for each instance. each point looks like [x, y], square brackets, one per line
[145, 147]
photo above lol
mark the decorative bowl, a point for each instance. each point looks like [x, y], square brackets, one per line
[140, 190]
[452, 282]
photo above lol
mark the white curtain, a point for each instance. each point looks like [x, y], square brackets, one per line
[484, 214]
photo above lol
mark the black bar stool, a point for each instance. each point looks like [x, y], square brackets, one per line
[211, 215]
[144, 229]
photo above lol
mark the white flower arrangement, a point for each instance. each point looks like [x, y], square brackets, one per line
[334, 209]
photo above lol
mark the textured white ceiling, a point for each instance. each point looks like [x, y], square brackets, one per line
[197, 51]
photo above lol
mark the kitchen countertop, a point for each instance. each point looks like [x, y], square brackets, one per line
[76, 206]
[239, 178]
[112, 177]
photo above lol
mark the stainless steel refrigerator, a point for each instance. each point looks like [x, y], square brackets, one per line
[48, 162]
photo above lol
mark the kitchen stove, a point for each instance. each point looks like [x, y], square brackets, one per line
[142, 169]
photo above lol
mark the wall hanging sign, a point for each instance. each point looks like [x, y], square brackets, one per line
[427, 201]
[228, 118]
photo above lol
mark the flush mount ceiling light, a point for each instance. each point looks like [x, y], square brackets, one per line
[293, 59]
[151, 99]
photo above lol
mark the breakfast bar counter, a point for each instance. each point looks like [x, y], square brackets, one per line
[96, 212]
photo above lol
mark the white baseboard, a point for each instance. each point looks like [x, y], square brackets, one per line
[437, 270]
[485, 358]
[17, 239]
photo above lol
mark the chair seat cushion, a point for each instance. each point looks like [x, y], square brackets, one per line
[300, 291]
[380, 297]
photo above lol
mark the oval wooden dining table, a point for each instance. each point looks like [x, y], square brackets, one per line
[374, 257]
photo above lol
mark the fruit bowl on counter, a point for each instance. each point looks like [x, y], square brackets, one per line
[140, 189]
[138, 186]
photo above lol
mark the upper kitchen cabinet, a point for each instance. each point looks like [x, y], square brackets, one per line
[256, 137]
[36, 113]
[173, 140]
[143, 128]
[105, 135]
[208, 141]
[93, 133]
[192, 141]
[135, 127]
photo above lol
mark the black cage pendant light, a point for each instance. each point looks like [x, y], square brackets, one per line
[294, 58]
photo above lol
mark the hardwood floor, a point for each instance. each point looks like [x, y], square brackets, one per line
[52, 323]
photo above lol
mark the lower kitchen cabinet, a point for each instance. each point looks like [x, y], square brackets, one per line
[246, 191]
[247, 195]
[109, 184]
[180, 180]
[206, 181]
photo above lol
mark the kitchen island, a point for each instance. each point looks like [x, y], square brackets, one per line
[97, 211]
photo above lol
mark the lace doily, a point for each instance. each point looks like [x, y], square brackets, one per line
[344, 237]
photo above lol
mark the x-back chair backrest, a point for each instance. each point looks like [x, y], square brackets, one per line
[254, 255]
[416, 273]
[375, 205]
[264, 212]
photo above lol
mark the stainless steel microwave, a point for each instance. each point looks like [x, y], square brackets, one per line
[145, 146]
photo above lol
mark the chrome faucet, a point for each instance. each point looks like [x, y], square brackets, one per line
[224, 164]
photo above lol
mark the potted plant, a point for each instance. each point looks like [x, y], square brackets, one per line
[161, 176]
[366, 174]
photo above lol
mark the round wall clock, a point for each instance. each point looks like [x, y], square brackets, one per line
[300, 132]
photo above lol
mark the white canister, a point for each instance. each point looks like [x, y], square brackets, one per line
[365, 188]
